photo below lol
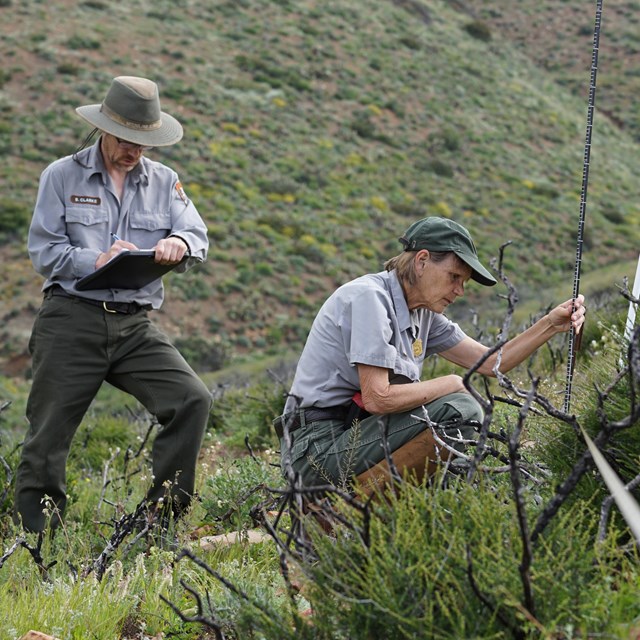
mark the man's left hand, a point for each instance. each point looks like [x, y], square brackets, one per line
[170, 250]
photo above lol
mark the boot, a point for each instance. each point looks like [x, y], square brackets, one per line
[419, 457]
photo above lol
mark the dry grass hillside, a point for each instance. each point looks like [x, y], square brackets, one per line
[315, 133]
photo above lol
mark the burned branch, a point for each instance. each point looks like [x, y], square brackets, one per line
[527, 554]
[201, 616]
[495, 609]
[140, 520]
[34, 551]
[607, 503]
[607, 431]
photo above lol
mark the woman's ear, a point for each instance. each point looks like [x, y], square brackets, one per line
[422, 257]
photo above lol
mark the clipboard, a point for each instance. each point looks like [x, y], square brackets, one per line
[127, 270]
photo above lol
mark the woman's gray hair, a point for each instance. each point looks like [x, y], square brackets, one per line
[405, 265]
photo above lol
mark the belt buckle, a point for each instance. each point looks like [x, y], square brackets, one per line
[104, 306]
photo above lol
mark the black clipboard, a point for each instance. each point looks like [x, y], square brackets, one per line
[127, 270]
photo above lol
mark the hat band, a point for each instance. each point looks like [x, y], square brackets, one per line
[130, 124]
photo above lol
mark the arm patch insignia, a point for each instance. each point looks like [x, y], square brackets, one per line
[181, 193]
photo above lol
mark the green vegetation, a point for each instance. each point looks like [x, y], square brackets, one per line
[315, 134]
[442, 560]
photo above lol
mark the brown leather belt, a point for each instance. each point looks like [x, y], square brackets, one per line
[128, 308]
[310, 415]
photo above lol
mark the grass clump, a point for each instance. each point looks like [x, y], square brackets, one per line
[235, 489]
[242, 415]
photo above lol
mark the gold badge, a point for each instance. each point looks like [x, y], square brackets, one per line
[417, 348]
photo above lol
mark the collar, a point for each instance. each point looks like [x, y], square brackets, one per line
[406, 319]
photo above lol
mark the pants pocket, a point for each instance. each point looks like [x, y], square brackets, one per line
[296, 456]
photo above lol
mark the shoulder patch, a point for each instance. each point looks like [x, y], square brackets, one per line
[181, 193]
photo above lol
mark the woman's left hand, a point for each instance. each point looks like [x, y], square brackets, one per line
[569, 314]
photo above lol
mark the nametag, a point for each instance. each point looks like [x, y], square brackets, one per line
[85, 200]
[417, 348]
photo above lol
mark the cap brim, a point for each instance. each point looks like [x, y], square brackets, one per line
[478, 272]
[167, 134]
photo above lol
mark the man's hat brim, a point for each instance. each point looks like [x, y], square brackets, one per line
[169, 132]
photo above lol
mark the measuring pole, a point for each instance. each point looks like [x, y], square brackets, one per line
[583, 201]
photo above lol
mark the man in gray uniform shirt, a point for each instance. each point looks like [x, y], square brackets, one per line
[91, 206]
[366, 348]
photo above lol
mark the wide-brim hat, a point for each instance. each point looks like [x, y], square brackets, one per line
[131, 112]
[442, 234]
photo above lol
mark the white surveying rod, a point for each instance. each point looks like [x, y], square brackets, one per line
[631, 316]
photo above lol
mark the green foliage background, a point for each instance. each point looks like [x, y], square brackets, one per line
[315, 134]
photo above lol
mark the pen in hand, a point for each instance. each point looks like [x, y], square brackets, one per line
[123, 246]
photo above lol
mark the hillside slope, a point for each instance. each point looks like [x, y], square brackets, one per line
[558, 37]
[315, 133]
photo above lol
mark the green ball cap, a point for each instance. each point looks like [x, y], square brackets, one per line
[441, 234]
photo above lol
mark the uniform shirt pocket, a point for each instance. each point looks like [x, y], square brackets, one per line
[147, 227]
[408, 366]
[86, 225]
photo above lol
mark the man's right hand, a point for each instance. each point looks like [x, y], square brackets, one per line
[117, 247]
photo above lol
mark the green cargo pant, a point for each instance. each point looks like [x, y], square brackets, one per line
[75, 347]
[325, 451]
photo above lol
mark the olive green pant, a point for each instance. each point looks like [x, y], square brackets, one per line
[326, 451]
[75, 347]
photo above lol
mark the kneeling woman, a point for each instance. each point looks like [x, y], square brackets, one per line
[366, 349]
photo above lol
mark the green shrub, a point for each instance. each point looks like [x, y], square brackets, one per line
[479, 30]
[234, 489]
[14, 217]
[201, 353]
[264, 69]
[247, 414]
[83, 42]
[362, 124]
[613, 215]
[558, 445]
[443, 563]
[411, 42]
[68, 69]
[441, 168]
[97, 439]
